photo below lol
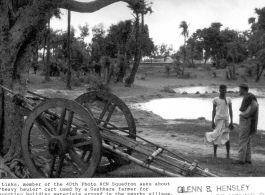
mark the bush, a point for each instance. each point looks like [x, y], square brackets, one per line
[207, 67]
[178, 70]
[223, 64]
[248, 71]
[167, 68]
[167, 90]
[99, 85]
[187, 75]
[75, 81]
[227, 75]
[214, 74]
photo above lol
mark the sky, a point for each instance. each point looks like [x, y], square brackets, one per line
[164, 22]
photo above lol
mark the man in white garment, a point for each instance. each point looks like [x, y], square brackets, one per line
[222, 109]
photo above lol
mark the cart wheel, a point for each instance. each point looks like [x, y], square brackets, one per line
[112, 113]
[60, 139]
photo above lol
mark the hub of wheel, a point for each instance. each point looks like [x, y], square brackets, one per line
[57, 146]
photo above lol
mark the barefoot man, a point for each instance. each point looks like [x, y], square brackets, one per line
[222, 109]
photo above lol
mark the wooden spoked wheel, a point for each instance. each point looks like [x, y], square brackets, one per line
[60, 139]
[110, 113]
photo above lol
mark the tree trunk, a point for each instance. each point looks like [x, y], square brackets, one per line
[137, 55]
[68, 80]
[20, 22]
[259, 73]
[35, 57]
[47, 73]
[16, 36]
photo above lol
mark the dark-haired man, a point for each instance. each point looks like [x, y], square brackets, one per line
[222, 109]
[248, 121]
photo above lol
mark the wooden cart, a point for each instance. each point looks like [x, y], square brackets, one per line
[62, 138]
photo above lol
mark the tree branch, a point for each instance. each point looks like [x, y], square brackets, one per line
[88, 7]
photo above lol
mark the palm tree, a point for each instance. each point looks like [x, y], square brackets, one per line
[139, 8]
[185, 32]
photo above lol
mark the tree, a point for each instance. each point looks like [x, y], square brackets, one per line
[261, 60]
[119, 38]
[98, 42]
[165, 50]
[138, 8]
[69, 42]
[185, 32]
[20, 24]
[194, 49]
[257, 33]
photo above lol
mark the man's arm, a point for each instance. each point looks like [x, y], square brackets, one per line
[213, 115]
[231, 116]
[253, 108]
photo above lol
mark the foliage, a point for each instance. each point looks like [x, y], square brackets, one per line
[260, 64]
[223, 63]
[121, 40]
[167, 89]
[257, 33]
[217, 44]
[167, 68]
[185, 32]
[99, 85]
[139, 8]
[98, 44]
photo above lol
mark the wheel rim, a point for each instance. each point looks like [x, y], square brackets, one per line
[106, 107]
[61, 139]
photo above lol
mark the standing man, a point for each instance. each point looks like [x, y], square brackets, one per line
[222, 109]
[248, 121]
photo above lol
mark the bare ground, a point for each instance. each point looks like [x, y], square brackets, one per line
[184, 137]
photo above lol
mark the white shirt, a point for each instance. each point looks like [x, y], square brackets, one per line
[222, 109]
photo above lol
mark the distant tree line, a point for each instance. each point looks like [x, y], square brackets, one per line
[226, 48]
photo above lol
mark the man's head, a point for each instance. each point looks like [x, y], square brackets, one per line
[222, 90]
[243, 88]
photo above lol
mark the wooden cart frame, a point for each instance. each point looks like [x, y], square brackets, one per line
[96, 132]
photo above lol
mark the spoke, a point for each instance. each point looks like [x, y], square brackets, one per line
[72, 164]
[110, 114]
[52, 166]
[118, 128]
[86, 105]
[89, 157]
[82, 144]
[79, 136]
[84, 154]
[69, 123]
[39, 146]
[59, 166]
[104, 111]
[47, 125]
[110, 160]
[43, 130]
[61, 121]
[76, 159]
[87, 153]
[39, 153]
